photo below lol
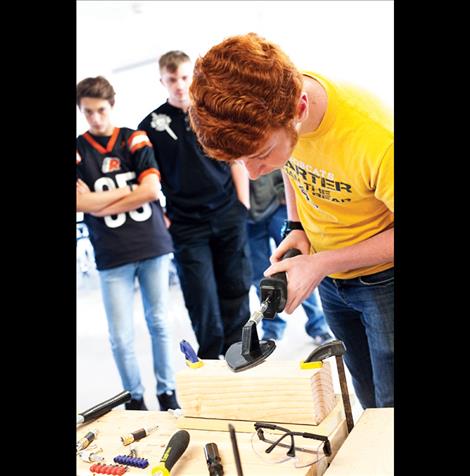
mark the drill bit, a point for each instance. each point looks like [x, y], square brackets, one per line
[257, 315]
[83, 443]
[91, 456]
[137, 435]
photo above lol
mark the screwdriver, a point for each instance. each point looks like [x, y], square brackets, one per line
[173, 452]
[211, 452]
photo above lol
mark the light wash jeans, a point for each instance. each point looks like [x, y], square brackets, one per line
[360, 312]
[117, 287]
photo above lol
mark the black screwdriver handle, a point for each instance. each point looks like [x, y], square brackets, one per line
[175, 448]
[275, 287]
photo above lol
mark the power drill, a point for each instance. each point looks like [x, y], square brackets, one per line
[273, 289]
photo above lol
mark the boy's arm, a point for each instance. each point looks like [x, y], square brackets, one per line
[147, 191]
[242, 182]
[291, 203]
[93, 202]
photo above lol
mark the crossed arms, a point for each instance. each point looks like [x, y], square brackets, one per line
[118, 200]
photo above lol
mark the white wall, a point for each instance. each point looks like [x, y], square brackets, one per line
[348, 40]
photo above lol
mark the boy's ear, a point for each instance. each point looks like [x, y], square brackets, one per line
[302, 107]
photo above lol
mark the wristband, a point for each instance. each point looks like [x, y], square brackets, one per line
[290, 226]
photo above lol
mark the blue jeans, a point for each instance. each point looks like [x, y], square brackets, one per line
[360, 312]
[117, 287]
[259, 235]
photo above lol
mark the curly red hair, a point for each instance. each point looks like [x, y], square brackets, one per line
[242, 88]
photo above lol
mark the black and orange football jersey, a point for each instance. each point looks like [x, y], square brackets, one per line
[105, 163]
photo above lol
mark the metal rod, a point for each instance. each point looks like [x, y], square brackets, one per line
[344, 392]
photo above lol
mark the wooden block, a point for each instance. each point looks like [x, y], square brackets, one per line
[329, 423]
[274, 391]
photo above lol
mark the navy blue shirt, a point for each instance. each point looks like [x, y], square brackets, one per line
[104, 163]
[196, 187]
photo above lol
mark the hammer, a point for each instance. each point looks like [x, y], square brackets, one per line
[336, 348]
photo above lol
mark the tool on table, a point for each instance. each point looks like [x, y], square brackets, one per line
[251, 351]
[91, 455]
[137, 435]
[103, 407]
[175, 448]
[83, 443]
[102, 468]
[211, 452]
[236, 453]
[133, 451]
[335, 348]
[192, 360]
[129, 460]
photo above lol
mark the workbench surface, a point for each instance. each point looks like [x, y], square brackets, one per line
[368, 449]
[118, 422]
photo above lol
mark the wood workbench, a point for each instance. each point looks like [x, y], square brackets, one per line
[368, 450]
[118, 422]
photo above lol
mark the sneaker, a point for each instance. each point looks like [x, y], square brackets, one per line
[322, 338]
[167, 400]
[136, 404]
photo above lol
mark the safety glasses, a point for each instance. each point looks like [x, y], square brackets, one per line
[274, 447]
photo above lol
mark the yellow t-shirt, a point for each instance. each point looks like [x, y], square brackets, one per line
[342, 173]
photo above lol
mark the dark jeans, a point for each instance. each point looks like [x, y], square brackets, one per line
[360, 312]
[259, 235]
[212, 260]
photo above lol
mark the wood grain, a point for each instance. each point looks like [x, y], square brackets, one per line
[276, 391]
[368, 451]
[192, 463]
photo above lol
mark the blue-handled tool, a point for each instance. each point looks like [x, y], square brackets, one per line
[192, 360]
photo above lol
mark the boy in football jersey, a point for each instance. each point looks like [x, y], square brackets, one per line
[334, 144]
[118, 189]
